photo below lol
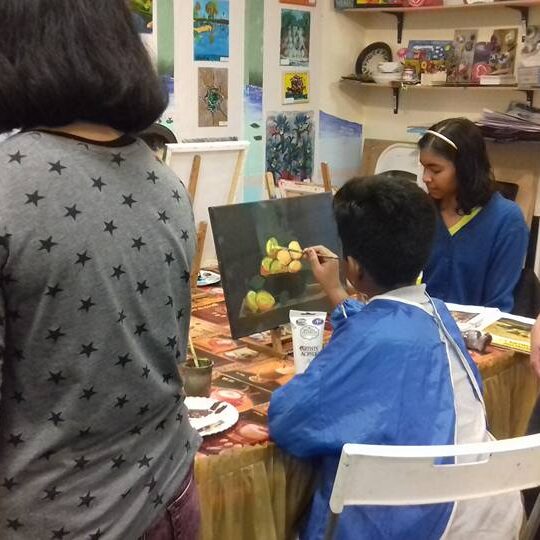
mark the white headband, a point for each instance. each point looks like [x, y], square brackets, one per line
[443, 137]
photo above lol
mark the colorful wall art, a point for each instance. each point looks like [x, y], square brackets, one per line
[213, 97]
[290, 141]
[295, 87]
[295, 32]
[259, 249]
[211, 30]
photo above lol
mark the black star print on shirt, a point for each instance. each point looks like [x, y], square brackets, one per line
[71, 211]
[18, 157]
[138, 243]
[121, 401]
[53, 291]
[118, 461]
[179, 417]
[179, 314]
[169, 301]
[171, 342]
[88, 393]
[97, 183]
[83, 258]
[140, 329]
[81, 463]
[47, 455]
[123, 360]
[15, 440]
[33, 198]
[56, 167]
[158, 500]
[51, 494]
[143, 410]
[185, 235]
[136, 430]
[4, 240]
[176, 196]
[14, 524]
[161, 425]
[86, 500]
[118, 159]
[117, 272]
[141, 287]
[18, 397]
[85, 432]
[145, 372]
[163, 216]
[169, 259]
[55, 335]
[151, 177]
[56, 418]
[59, 534]
[121, 314]
[110, 227]
[86, 304]
[186, 276]
[9, 483]
[88, 349]
[145, 461]
[129, 200]
[47, 244]
[56, 377]
[167, 378]
[96, 536]
[151, 485]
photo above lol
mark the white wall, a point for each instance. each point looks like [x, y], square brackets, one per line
[349, 33]
[186, 73]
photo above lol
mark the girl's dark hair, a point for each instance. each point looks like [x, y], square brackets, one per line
[387, 224]
[63, 61]
[473, 169]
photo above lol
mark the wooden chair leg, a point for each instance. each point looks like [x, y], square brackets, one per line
[196, 267]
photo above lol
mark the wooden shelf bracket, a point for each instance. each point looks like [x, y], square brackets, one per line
[524, 10]
[400, 19]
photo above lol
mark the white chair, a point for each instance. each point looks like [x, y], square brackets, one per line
[407, 475]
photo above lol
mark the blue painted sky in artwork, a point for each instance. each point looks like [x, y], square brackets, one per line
[332, 126]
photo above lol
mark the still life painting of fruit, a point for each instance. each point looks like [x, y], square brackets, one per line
[260, 250]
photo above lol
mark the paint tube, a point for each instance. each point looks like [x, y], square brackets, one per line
[307, 333]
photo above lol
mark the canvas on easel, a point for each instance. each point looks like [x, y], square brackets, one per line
[259, 248]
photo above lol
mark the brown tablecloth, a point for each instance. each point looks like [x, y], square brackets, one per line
[249, 489]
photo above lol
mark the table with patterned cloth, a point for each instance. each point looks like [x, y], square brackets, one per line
[248, 488]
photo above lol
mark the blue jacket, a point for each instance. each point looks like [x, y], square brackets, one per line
[384, 378]
[480, 265]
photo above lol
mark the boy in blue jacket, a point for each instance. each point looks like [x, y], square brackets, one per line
[396, 371]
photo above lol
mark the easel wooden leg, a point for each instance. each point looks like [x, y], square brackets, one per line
[196, 267]
[194, 177]
[238, 170]
[270, 185]
[326, 176]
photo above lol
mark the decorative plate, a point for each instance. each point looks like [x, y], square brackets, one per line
[370, 58]
[210, 416]
[206, 278]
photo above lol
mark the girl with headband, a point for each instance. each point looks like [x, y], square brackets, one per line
[481, 238]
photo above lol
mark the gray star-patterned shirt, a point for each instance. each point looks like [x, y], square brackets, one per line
[96, 244]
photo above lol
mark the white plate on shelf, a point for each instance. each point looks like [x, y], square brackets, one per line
[205, 420]
[206, 278]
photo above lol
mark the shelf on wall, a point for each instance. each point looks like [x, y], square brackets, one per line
[399, 12]
[397, 87]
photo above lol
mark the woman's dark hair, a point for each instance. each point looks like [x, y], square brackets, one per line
[63, 61]
[387, 225]
[473, 169]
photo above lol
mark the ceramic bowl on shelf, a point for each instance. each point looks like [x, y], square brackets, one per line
[386, 78]
[390, 67]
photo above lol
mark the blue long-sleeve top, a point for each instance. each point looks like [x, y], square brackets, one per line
[481, 263]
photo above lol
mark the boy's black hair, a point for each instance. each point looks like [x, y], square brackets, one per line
[387, 225]
[63, 61]
[473, 169]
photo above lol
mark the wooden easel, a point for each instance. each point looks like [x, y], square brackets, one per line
[270, 185]
[326, 176]
[275, 350]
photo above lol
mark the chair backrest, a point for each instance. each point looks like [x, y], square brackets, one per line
[508, 190]
[405, 475]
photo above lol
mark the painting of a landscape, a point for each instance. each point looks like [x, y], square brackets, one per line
[211, 30]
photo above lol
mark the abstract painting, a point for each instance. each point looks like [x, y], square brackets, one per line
[295, 32]
[290, 142]
[340, 145]
[295, 87]
[213, 97]
[259, 250]
[211, 30]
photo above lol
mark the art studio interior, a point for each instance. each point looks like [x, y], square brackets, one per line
[269, 269]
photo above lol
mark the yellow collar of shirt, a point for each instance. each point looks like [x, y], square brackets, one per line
[463, 221]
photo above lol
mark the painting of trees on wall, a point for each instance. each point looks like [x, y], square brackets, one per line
[211, 30]
[290, 145]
